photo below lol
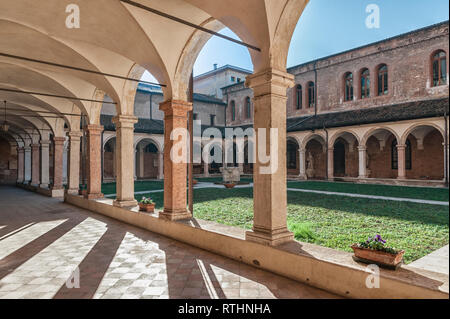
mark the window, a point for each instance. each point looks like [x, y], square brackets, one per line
[299, 97]
[408, 155]
[311, 94]
[365, 84]
[383, 80]
[291, 154]
[195, 116]
[248, 107]
[439, 68]
[239, 80]
[233, 111]
[233, 79]
[213, 119]
[348, 87]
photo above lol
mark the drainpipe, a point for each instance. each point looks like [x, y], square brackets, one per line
[446, 148]
[316, 88]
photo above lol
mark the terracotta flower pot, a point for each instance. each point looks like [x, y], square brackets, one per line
[82, 192]
[149, 208]
[378, 257]
[230, 185]
[194, 182]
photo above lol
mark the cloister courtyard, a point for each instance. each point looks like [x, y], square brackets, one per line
[129, 169]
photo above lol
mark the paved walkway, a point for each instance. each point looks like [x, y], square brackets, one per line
[44, 242]
[397, 199]
[437, 261]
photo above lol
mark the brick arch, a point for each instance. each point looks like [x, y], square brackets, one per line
[417, 125]
[369, 133]
[107, 140]
[310, 137]
[152, 140]
[332, 140]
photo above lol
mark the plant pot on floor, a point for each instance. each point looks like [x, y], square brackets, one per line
[149, 208]
[380, 258]
[229, 185]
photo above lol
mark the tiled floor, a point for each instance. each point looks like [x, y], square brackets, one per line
[45, 244]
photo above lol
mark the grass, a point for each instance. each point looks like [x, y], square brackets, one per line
[427, 193]
[335, 221]
[139, 186]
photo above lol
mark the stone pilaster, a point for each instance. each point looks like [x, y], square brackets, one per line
[125, 160]
[401, 161]
[362, 151]
[58, 143]
[35, 161]
[205, 169]
[270, 193]
[20, 165]
[45, 164]
[175, 174]
[74, 162]
[93, 163]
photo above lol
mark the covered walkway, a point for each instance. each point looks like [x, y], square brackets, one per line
[42, 241]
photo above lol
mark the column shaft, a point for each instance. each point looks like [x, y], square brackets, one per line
[302, 161]
[175, 173]
[94, 165]
[74, 162]
[58, 143]
[125, 160]
[270, 194]
[161, 165]
[362, 161]
[45, 164]
[401, 161]
[20, 165]
[35, 164]
[27, 164]
[331, 164]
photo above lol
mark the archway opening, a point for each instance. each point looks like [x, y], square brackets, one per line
[292, 158]
[381, 154]
[316, 157]
[147, 160]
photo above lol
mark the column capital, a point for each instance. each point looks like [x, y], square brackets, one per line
[20, 149]
[175, 107]
[27, 148]
[125, 121]
[59, 140]
[362, 148]
[75, 134]
[35, 146]
[45, 143]
[401, 146]
[94, 128]
[270, 81]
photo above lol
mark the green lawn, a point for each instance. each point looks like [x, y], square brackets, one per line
[335, 221]
[110, 188]
[428, 193]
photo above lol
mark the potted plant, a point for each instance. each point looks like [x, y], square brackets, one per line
[194, 182]
[229, 184]
[147, 205]
[374, 250]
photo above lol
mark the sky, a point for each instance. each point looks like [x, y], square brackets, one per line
[331, 26]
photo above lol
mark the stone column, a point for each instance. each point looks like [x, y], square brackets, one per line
[401, 161]
[135, 165]
[362, 161]
[175, 174]
[270, 193]
[331, 163]
[446, 159]
[93, 163]
[20, 165]
[302, 162]
[27, 164]
[58, 143]
[160, 165]
[205, 169]
[45, 164]
[125, 159]
[74, 162]
[35, 165]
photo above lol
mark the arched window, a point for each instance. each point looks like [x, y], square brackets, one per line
[439, 68]
[151, 148]
[311, 94]
[248, 107]
[348, 87]
[299, 97]
[365, 84]
[233, 111]
[383, 80]
[408, 155]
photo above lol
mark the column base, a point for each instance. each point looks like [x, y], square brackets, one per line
[74, 191]
[43, 186]
[93, 196]
[270, 237]
[174, 215]
[302, 177]
[363, 176]
[125, 203]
